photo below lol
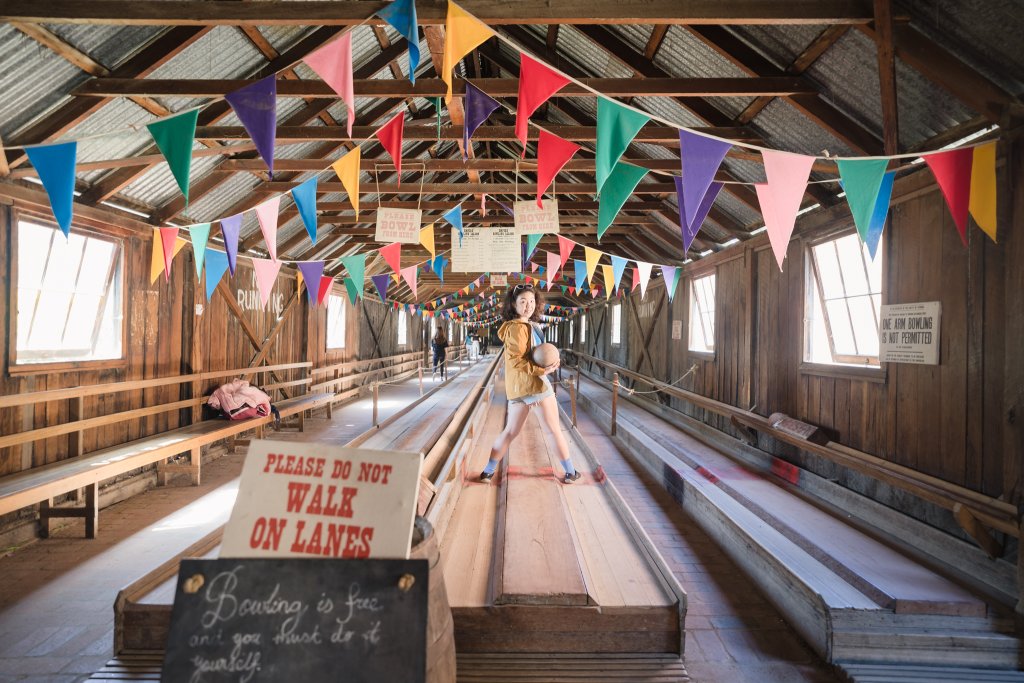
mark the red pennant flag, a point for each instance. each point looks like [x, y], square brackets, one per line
[564, 249]
[952, 171]
[537, 82]
[168, 237]
[390, 136]
[636, 278]
[393, 256]
[325, 287]
[552, 153]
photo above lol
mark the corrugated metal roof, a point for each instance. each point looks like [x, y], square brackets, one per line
[779, 44]
[667, 108]
[785, 128]
[212, 205]
[114, 116]
[158, 186]
[284, 37]
[33, 81]
[580, 50]
[683, 55]
[636, 35]
[111, 46]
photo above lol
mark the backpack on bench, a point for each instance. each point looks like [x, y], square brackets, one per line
[238, 400]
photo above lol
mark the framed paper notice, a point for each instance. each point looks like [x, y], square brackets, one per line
[909, 333]
[486, 249]
[531, 220]
[499, 280]
[398, 225]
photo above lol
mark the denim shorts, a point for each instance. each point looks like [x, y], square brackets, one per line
[531, 399]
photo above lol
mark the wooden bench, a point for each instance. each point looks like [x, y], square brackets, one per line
[41, 484]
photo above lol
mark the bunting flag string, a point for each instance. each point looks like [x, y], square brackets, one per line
[618, 187]
[326, 284]
[304, 196]
[454, 216]
[780, 197]
[311, 271]
[267, 213]
[266, 271]
[255, 105]
[199, 236]
[169, 239]
[463, 33]
[427, 239]
[354, 292]
[173, 137]
[592, 257]
[477, 105]
[952, 171]
[55, 165]
[333, 64]
[580, 273]
[671, 274]
[401, 15]
[157, 262]
[881, 209]
[537, 83]
[617, 125]
[381, 282]
[700, 158]
[552, 154]
[644, 269]
[230, 227]
[390, 136]
[347, 170]
[216, 266]
[392, 255]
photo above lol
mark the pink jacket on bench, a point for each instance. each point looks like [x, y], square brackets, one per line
[231, 398]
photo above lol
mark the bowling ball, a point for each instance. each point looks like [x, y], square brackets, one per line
[544, 355]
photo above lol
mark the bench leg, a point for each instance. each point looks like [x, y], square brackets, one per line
[92, 510]
[44, 518]
[196, 460]
[259, 431]
[330, 410]
[302, 420]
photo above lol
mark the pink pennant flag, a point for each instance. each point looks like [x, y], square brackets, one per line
[409, 275]
[483, 204]
[533, 267]
[333, 63]
[564, 249]
[390, 136]
[952, 171]
[266, 276]
[645, 276]
[636, 279]
[552, 154]
[325, 288]
[780, 198]
[537, 82]
[393, 256]
[554, 263]
[267, 213]
[168, 237]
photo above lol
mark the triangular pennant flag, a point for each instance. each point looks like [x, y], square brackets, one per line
[395, 277]
[311, 271]
[230, 227]
[609, 279]
[256, 107]
[156, 264]
[356, 267]
[537, 82]
[200, 235]
[552, 154]
[671, 274]
[620, 184]
[333, 64]
[266, 276]
[636, 278]
[554, 263]
[532, 240]
[780, 198]
[381, 282]
[565, 247]
[700, 158]
[353, 290]
[463, 34]
[216, 265]
[533, 266]
[401, 14]
[174, 137]
[645, 276]
[983, 188]
[305, 201]
[392, 255]
[478, 105]
[390, 136]
[409, 275]
[347, 170]
[168, 238]
[325, 287]
[580, 271]
[862, 178]
[267, 214]
[618, 268]
[617, 125]
[593, 256]
[55, 165]
[689, 231]
[952, 171]
[881, 209]
[427, 238]
[454, 216]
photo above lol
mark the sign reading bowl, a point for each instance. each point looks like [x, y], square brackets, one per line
[398, 225]
[531, 220]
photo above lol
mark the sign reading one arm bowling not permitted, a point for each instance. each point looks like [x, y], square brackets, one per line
[320, 500]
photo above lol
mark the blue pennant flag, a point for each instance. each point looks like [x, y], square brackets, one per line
[454, 216]
[305, 201]
[401, 14]
[216, 266]
[581, 274]
[55, 165]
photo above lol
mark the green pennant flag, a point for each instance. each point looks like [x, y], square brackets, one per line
[531, 243]
[174, 137]
[356, 267]
[862, 178]
[200, 235]
[621, 183]
[353, 291]
[616, 127]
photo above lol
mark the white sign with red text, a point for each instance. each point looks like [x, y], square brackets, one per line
[320, 500]
[531, 220]
[398, 225]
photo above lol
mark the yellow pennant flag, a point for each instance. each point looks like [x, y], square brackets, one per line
[298, 281]
[427, 239]
[156, 264]
[983, 188]
[347, 169]
[609, 279]
[593, 256]
[463, 33]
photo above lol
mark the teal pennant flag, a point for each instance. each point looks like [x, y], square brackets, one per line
[356, 267]
[617, 125]
[200, 235]
[862, 179]
[174, 137]
[623, 180]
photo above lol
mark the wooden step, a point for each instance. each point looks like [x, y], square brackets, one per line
[904, 673]
[568, 668]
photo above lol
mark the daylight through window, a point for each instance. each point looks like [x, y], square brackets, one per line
[403, 329]
[702, 314]
[616, 323]
[335, 322]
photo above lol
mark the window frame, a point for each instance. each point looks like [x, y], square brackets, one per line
[583, 329]
[13, 366]
[344, 321]
[402, 329]
[691, 298]
[615, 326]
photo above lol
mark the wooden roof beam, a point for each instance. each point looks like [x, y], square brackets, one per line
[887, 76]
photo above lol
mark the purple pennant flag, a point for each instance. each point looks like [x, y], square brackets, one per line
[507, 208]
[230, 227]
[381, 283]
[690, 230]
[311, 271]
[256, 107]
[478, 107]
[700, 157]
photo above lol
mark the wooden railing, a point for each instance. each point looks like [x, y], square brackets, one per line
[972, 510]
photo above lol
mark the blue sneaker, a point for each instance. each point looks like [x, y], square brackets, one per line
[570, 478]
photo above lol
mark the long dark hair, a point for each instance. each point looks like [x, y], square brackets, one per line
[440, 337]
[508, 309]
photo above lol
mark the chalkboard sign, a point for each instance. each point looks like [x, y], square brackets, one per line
[306, 620]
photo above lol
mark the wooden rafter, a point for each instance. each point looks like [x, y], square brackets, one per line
[887, 75]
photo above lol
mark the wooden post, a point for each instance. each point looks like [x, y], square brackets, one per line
[92, 509]
[572, 401]
[419, 371]
[376, 394]
[615, 399]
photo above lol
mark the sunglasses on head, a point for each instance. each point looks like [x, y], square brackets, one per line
[520, 288]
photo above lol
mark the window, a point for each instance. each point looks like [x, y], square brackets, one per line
[450, 337]
[433, 327]
[69, 296]
[583, 328]
[403, 329]
[572, 332]
[335, 322]
[616, 323]
[702, 314]
[844, 298]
